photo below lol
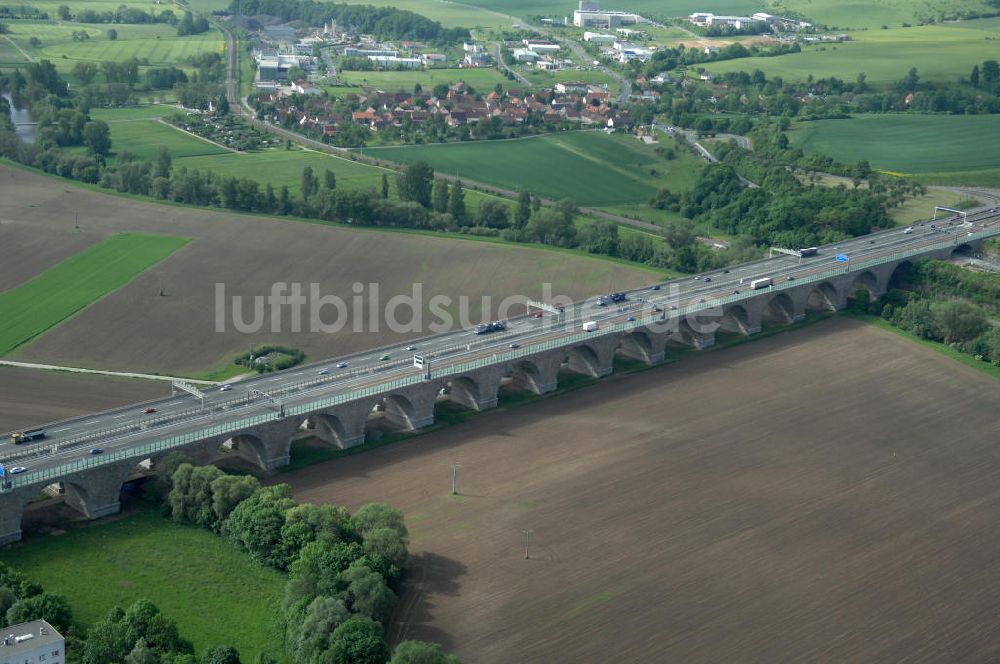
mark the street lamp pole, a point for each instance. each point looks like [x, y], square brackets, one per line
[527, 537]
[454, 477]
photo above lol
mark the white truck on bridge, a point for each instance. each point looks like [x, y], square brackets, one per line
[590, 326]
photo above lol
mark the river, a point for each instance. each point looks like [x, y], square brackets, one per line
[22, 121]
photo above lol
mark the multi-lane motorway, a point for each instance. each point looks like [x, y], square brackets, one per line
[128, 426]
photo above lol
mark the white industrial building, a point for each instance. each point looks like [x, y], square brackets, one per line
[394, 62]
[590, 14]
[352, 52]
[626, 51]
[35, 642]
[541, 46]
[599, 38]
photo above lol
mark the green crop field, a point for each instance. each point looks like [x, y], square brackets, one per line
[61, 291]
[9, 55]
[129, 113]
[143, 137]
[907, 143]
[207, 6]
[215, 592]
[284, 167]
[158, 43]
[51, 6]
[481, 80]
[451, 14]
[590, 167]
[939, 52]
[876, 13]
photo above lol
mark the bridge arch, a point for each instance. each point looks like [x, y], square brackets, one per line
[867, 280]
[250, 447]
[824, 297]
[780, 307]
[735, 318]
[535, 376]
[963, 250]
[637, 344]
[331, 428]
[901, 274]
[583, 359]
[463, 390]
[695, 334]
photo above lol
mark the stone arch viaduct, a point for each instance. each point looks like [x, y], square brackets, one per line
[345, 418]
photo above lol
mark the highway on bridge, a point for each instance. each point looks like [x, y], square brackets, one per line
[131, 426]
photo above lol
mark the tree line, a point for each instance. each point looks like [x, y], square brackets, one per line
[380, 22]
[752, 93]
[782, 210]
[122, 14]
[942, 302]
[344, 570]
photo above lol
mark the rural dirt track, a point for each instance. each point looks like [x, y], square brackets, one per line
[29, 397]
[823, 495]
[134, 329]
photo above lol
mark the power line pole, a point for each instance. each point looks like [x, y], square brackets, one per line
[527, 537]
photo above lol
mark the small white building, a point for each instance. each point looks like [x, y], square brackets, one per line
[541, 46]
[470, 47]
[598, 38]
[708, 20]
[35, 642]
[567, 87]
[305, 88]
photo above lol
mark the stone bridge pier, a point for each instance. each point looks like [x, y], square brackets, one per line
[342, 426]
[538, 374]
[413, 407]
[11, 511]
[594, 357]
[268, 445]
[96, 492]
[699, 332]
[647, 345]
[478, 391]
[743, 317]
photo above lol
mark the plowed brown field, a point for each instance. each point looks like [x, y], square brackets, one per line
[29, 397]
[824, 495]
[136, 329]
